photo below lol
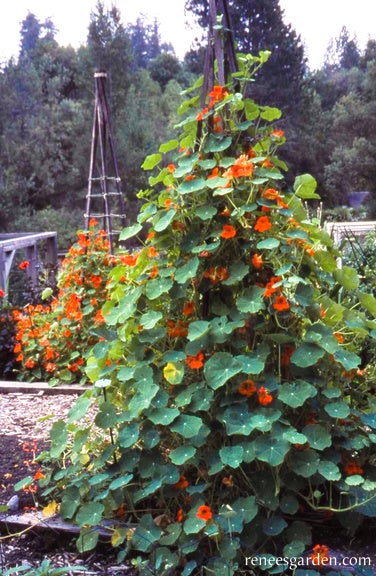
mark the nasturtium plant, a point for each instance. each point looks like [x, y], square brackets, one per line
[231, 399]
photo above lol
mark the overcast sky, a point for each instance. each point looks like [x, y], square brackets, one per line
[317, 21]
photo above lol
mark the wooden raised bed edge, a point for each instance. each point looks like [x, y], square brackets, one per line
[9, 387]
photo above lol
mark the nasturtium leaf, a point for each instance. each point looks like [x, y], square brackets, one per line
[146, 534]
[130, 231]
[148, 489]
[142, 399]
[168, 146]
[120, 482]
[237, 272]
[90, 513]
[158, 286]
[150, 319]
[293, 549]
[188, 568]
[369, 419]
[337, 409]
[289, 504]
[79, 408]
[87, 540]
[129, 435]
[220, 183]
[296, 393]
[187, 271]
[354, 480]
[189, 186]
[205, 212]
[163, 416]
[162, 220]
[220, 368]
[274, 525]
[59, 438]
[270, 114]
[252, 300]
[305, 186]
[347, 277]
[263, 419]
[251, 364]
[171, 534]
[348, 359]
[268, 244]
[232, 455]
[368, 301]
[332, 392]
[173, 372]
[187, 425]
[307, 355]
[294, 437]
[197, 329]
[329, 470]
[151, 161]
[304, 294]
[193, 525]
[318, 437]
[305, 463]
[217, 143]
[246, 507]
[106, 416]
[248, 451]
[24, 483]
[271, 450]
[237, 420]
[207, 164]
[182, 454]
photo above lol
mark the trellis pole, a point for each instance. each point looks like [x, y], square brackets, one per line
[104, 200]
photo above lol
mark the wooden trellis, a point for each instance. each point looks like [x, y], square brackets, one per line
[104, 200]
[28, 241]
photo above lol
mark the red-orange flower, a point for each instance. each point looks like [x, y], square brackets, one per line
[247, 388]
[217, 94]
[195, 362]
[2, 293]
[320, 555]
[177, 329]
[280, 303]
[270, 194]
[278, 133]
[171, 168]
[182, 483]
[217, 274]
[242, 167]
[228, 231]
[38, 475]
[257, 260]
[204, 513]
[179, 515]
[352, 468]
[264, 397]
[262, 224]
[270, 286]
[24, 265]
[188, 308]
[30, 363]
[228, 481]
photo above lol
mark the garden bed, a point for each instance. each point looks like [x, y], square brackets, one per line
[24, 433]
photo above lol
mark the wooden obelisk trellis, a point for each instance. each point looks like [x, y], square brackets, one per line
[104, 200]
[220, 49]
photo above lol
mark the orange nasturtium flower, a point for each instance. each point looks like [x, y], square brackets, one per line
[242, 168]
[352, 468]
[177, 329]
[247, 388]
[171, 168]
[179, 515]
[264, 397]
[257, 260]
[270, 194]
[281, 303]
[262, 224]
[270, 286]
[278, 133]
[204, 513]
[195, 362]
[182, 483]
[228, 231]
[320, 555]
[189, 308]
[24, 265]
[217, 94]
[38, 475]
[217, 274]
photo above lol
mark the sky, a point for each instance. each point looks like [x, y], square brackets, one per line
[316, 21]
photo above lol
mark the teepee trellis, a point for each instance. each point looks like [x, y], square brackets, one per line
[104, 200]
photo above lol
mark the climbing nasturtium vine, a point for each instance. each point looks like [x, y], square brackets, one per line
[230, 395]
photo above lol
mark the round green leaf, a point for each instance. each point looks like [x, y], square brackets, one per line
[305, 463]
[220, 368]
[318, 437]
[187, 426]
[296, 393]
[182, 454]
[268, 244]
[90, 513]
[189, 186]
[130, 231]
[271, 450]
[329, 470]
[274, 526]
[232, 455]
[307, 355]
[337, 409]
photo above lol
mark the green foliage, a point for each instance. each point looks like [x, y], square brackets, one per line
[228, 389]
[44, 569]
